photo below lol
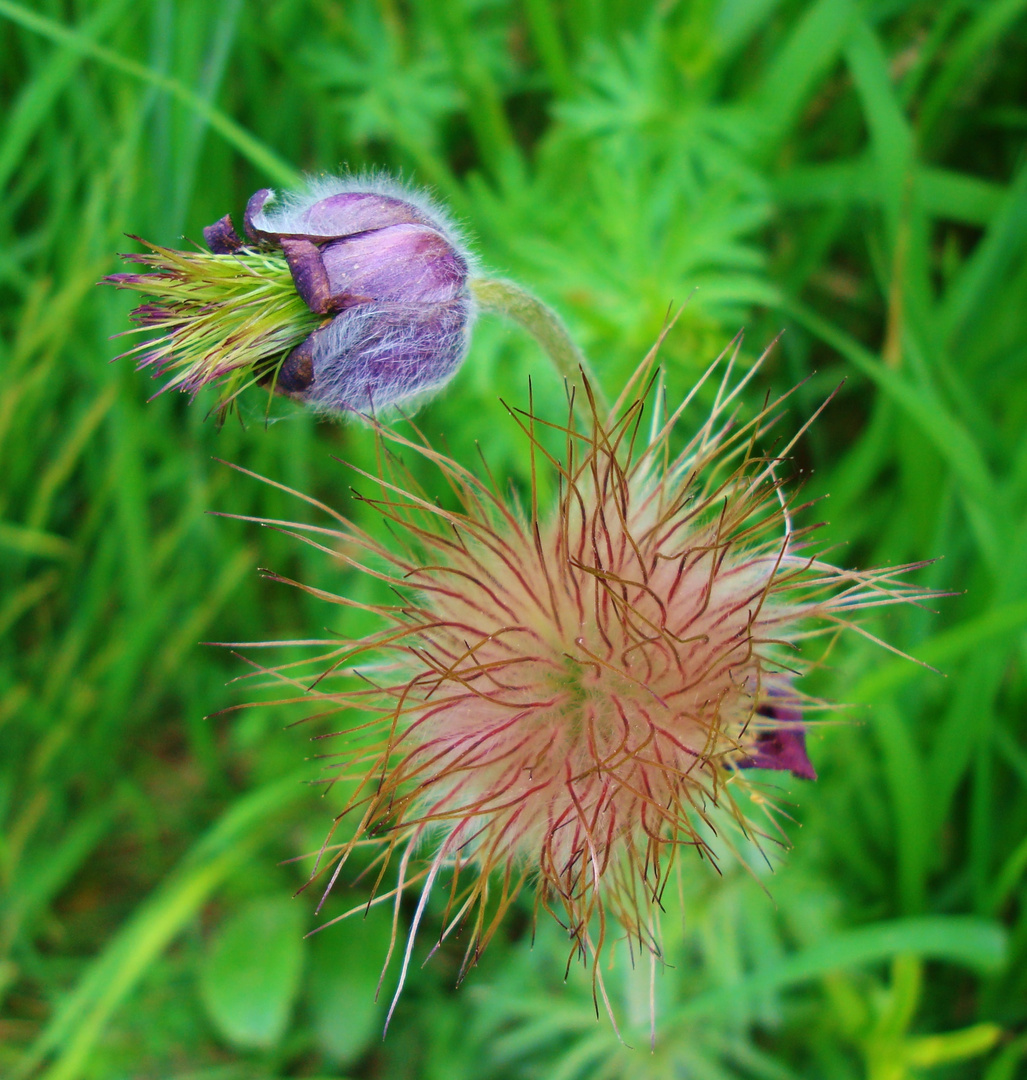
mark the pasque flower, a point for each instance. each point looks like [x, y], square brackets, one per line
[350, 296]
[562, 697]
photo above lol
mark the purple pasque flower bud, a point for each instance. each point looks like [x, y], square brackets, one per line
[389, 274]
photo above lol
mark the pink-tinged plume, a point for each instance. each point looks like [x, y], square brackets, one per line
[562, 697]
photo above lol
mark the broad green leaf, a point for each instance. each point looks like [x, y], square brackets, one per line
[251, 973]
[345, 967]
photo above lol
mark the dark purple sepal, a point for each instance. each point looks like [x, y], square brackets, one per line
[308, 274]
[221, 237]
[782, 749]
[297, 370]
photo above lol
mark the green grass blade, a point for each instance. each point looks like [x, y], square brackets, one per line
[109, 979]
[974, 943]
[254, 151]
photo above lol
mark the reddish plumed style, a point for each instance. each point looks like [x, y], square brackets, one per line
[564, 697]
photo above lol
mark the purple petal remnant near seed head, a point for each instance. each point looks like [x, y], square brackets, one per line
[388, 275]
[783, 747]
[221, 237]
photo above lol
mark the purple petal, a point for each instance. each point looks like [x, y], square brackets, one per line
[253, 208]
[781, 748]
[355, 212]
[408, 263]
[394, 282]
[221, 237]
[334, 217]
[375, 355]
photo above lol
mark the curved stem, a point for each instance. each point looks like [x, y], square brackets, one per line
[546, 327]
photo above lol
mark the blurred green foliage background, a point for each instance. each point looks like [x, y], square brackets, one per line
[851, 172]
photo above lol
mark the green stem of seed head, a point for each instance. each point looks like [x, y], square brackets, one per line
[547, 328]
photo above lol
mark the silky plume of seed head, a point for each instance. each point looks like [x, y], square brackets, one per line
[564, 697]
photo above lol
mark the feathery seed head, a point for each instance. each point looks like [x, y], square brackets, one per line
[565, 697]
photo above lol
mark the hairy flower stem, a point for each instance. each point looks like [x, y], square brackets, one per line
[546, 327]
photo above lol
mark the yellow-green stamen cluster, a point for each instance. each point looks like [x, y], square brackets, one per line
[230, 319]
